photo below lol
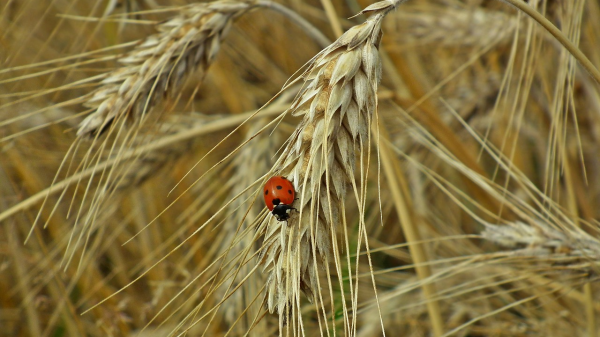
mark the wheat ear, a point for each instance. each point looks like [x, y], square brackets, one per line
[542, 240]
[158, 64]
[464, 27]
[337, 103]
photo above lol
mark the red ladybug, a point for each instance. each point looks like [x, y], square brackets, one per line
[279, 194]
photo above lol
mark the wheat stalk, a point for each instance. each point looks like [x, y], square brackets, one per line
[159, 63]
[337, 104]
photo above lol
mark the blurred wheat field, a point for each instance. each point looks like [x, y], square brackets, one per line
[444, 155]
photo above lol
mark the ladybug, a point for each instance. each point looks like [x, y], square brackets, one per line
[279, 194]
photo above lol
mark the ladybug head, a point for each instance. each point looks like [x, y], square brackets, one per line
[282, 212]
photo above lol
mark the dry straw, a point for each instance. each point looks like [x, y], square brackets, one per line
[337, 104]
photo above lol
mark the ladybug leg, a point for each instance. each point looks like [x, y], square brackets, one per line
[293, 209]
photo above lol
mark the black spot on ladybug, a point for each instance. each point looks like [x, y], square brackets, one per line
[290, 191]
[279, 187]
[266, 192]
[276, 201]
